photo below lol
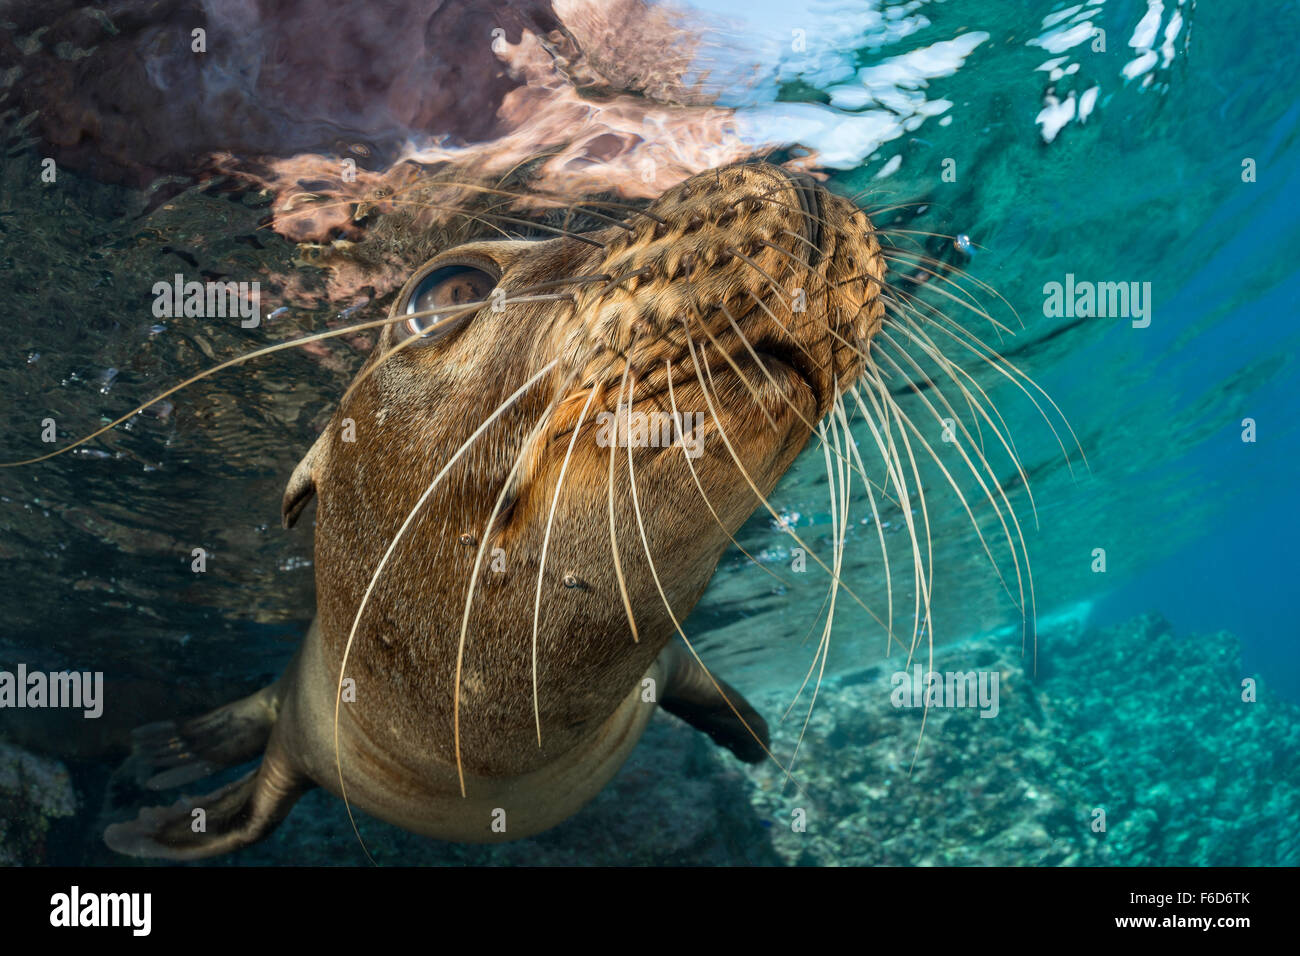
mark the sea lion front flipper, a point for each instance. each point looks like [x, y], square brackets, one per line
[165, 755]
[231, 817]
[692, 696]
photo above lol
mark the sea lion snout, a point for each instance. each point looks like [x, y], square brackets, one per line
[763, 264]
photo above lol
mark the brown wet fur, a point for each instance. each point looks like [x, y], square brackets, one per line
[421, 403]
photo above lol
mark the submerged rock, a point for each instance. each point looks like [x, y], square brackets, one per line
[1192, 769]
[1000, 790]
[33, 791]
[1133, 747]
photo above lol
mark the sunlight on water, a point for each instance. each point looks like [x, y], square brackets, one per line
[1120, 193]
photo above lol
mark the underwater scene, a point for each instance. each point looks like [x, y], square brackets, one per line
[612, 432]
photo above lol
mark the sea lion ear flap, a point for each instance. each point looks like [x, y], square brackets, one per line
[302, 483]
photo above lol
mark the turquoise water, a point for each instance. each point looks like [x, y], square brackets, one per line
[1196, 524]
[1194, 521]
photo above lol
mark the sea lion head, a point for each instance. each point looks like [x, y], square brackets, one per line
[620, 403]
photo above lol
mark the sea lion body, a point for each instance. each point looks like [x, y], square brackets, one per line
[483, 691]
[419, 791]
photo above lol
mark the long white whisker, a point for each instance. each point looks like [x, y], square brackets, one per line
[506, 487]
[546, 541]
[383, 562]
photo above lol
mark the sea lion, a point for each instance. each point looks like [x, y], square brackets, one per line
[492, 452]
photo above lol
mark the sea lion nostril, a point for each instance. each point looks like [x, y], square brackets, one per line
[810, 196]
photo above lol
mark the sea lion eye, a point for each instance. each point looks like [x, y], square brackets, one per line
[447, 288]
